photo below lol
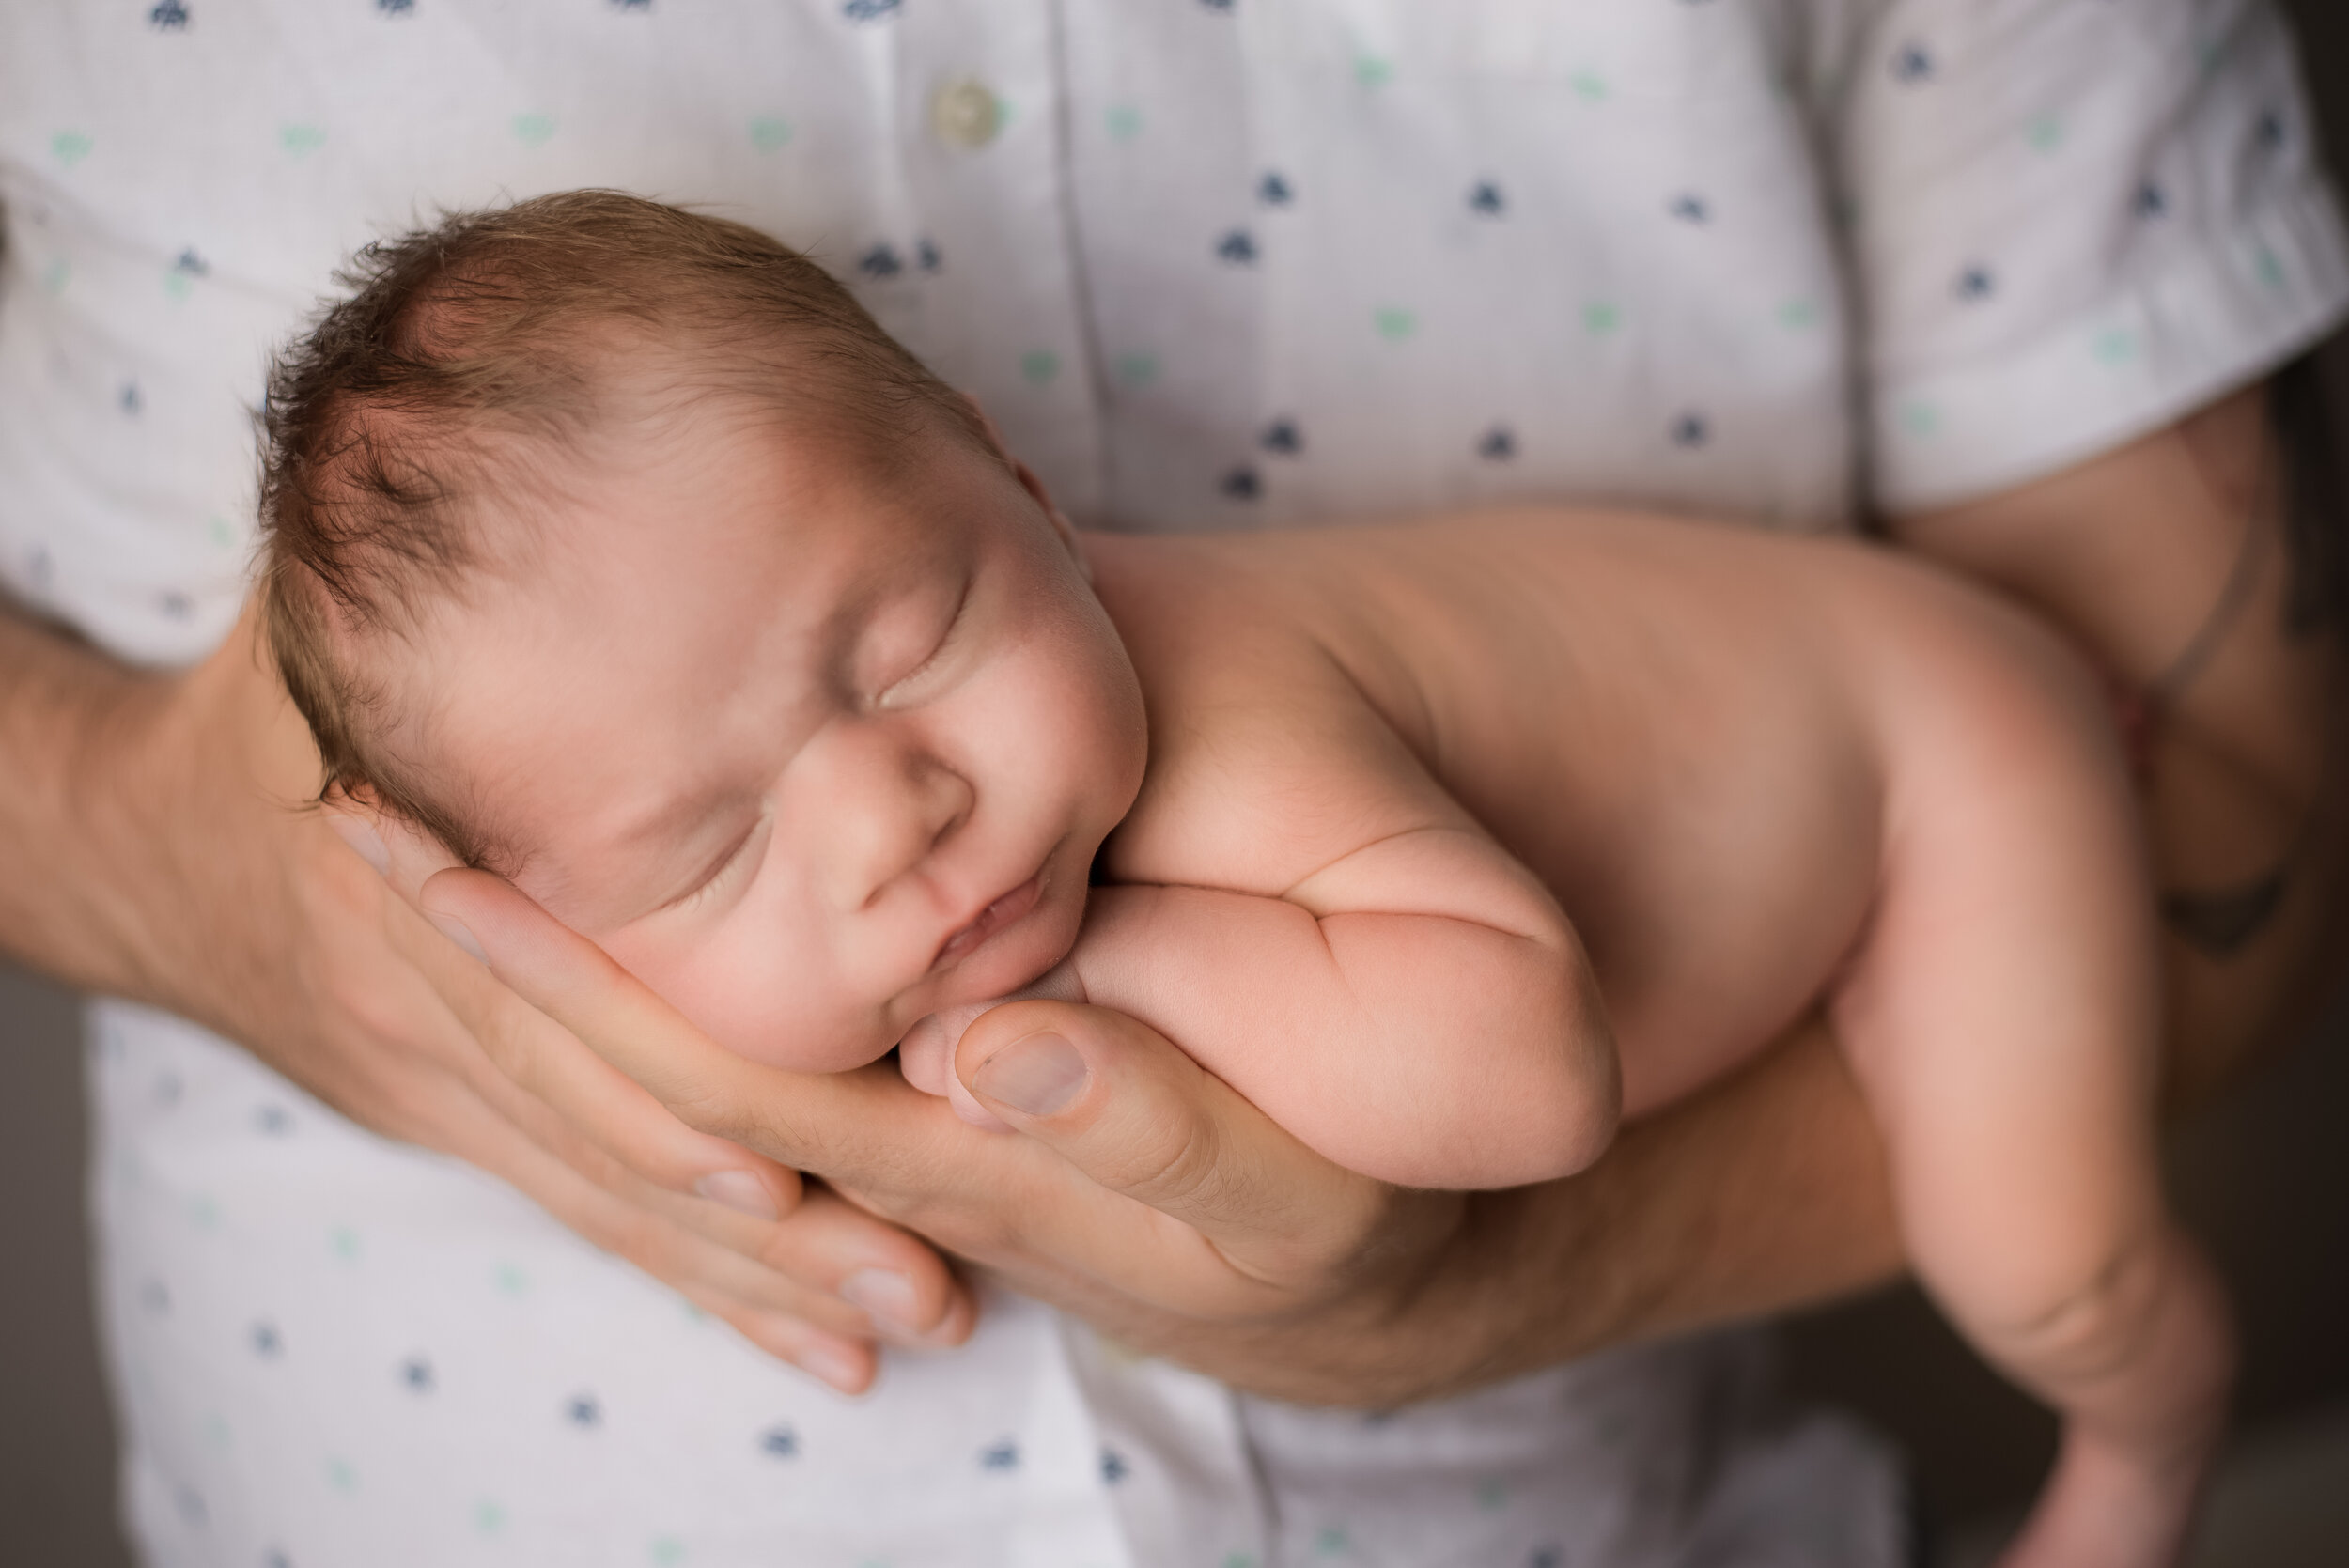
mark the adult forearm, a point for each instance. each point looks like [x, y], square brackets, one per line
[1767, 1191]
[1764, 1192]
[67, 714]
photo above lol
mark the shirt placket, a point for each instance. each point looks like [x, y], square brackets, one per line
[974, 262]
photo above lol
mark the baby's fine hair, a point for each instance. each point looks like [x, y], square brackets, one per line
[464, 347]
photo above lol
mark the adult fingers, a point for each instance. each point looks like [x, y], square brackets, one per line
[821, 1335]
[1137, 1117]
[897, 1286]
[826, 1260]
[551, 1063]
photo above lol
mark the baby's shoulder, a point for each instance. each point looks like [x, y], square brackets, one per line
[1266, 759]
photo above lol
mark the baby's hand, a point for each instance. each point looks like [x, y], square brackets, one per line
[927, 1053]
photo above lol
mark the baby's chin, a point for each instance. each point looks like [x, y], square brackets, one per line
[839, 1053]
[840, 1047]
[1008, 962]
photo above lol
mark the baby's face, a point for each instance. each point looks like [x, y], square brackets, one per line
[813, 752]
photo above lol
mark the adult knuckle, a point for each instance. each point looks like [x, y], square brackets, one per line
[361, 989]
[409, 1110]
[720, 1115]
[1171, 1163]
[641, 1238]
[978, 1231]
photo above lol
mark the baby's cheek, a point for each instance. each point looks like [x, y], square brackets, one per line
[795, 1042]
[756, 1013]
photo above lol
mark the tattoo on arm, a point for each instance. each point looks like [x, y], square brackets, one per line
[2306, 500]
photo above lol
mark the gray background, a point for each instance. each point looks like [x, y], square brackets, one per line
[2263, 1177]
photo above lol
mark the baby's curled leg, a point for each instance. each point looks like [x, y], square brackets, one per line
[2002, 1018]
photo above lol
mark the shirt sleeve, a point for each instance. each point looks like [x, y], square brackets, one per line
[2070, 222]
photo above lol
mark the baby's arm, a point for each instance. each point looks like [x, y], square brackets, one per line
[2002, 1019]
[1411, 1011]
[1327, 930]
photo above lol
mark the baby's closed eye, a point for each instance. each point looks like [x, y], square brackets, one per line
[909, 642]
[723, 877]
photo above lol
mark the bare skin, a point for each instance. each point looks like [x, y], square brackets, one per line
[145, 823]
[1450, 1308]
[812, 746]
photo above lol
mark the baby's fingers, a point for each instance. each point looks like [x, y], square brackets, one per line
[550, 1062]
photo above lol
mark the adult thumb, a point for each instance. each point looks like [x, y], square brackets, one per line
[1129, 1109]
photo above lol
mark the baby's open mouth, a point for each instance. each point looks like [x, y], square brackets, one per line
[1009, 907]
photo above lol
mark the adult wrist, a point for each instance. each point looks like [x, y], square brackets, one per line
[71, 725]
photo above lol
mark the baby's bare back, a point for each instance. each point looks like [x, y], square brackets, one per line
[1683, 729]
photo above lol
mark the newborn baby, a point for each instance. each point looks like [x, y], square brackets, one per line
[615, 550]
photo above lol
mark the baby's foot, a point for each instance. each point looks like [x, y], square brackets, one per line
[2105, 1508]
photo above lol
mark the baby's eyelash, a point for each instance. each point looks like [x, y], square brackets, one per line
[945, 640]
[724, 871]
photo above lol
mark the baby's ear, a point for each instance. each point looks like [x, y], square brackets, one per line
[403, 853]
[1031, 482]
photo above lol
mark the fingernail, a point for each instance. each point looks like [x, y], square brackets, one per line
[1035, 1077]
[843, 1372]
[363, 840]
[883, 1292]
[736, 1189]
[455, 931]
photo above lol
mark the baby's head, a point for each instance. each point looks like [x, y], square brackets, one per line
[614, 549]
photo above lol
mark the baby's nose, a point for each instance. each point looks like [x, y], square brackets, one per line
[896, 813]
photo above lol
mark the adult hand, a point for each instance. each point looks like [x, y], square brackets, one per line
[162, 849]
[1150, 1199]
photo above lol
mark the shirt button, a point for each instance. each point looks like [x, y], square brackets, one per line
[965, 115]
